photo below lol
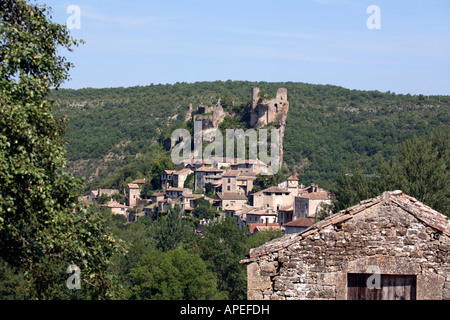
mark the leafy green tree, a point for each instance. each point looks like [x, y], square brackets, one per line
[354, 186]
[170, 230]
[13, 285]
[222, 247]
[41, 221]
[121, 198]
[204, 210]
[104, 198]
[173, 275]
[422, 170]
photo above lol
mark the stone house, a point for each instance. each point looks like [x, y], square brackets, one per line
[206, 175]
[388, 247]
[116, 207]
[134, 193]
[94, 194]
[257, 227]
[178, 177]
[307, 205]
[238, 181]
[273, 197]
[298, 225]
[254, 165]
[229, 199]
[239, 212]
[157, 196]
[166, 178]
[165, 204]
[229, 182]
[285, 214]
[174, 193]
[262, 216]
[149, 210]
[187, 201]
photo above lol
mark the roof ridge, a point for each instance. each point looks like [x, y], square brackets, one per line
[409, 204]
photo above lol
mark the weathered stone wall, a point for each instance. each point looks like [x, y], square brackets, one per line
[210, 117]
[384, 236]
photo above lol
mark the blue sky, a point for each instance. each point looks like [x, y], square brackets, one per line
[139, 42]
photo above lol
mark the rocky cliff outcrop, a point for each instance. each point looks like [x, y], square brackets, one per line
[264, 111]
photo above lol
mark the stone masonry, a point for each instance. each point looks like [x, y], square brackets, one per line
[393, 232]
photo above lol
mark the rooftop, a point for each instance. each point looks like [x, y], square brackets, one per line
[231, 173]
[273, 190]
[208, 169]
[262, 226]
[315, 195]
[300, 222]
[139, 181]
[231, 196]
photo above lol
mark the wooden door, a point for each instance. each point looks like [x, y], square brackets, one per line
[392, 287]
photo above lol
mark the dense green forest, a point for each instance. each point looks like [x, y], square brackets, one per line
[328, 127]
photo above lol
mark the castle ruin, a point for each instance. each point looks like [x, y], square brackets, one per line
[264, 111]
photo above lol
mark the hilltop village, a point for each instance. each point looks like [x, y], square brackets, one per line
[226, 183]
[393, 237]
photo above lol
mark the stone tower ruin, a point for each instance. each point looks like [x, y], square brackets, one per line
[264, 111]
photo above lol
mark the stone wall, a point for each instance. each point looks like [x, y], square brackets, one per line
[385, 236]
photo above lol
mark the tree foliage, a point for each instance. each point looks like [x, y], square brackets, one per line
[43, 228]
[420, 170]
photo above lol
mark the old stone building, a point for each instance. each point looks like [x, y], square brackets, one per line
[388, 247]
[133, 194]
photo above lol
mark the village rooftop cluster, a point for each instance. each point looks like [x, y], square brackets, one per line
[289, 206]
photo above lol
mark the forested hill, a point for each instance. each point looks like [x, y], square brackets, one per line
[328, 127]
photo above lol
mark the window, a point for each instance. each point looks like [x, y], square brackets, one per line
[228, 188]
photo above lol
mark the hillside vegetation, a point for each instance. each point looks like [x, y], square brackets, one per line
[116, 131]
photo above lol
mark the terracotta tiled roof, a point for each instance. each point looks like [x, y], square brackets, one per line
[231, 196]
[114, 204]
[423, 213]
[133, 186]
[292, 178]
[287, 208]
[300, 222]
[273, 190]
[176, 189]
[231, 173]
[192, 195]
[139, 181]
[263, 212]
[181, 171]
[315, 195]
[208, 169]
[262, 226]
